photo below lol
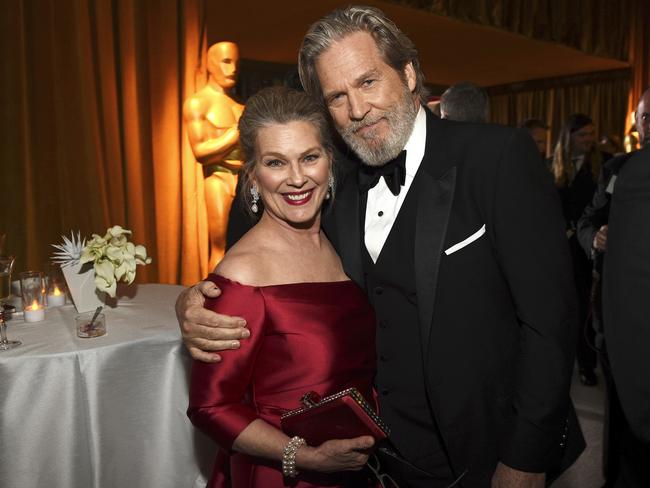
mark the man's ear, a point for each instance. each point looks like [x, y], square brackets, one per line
[411, 78]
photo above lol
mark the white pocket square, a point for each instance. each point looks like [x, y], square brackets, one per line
[466, 242]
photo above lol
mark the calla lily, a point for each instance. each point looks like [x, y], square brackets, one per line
[115, 258]
[116, 231]
[105, 278]
[120, 271]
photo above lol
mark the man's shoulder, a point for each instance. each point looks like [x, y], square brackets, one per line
[461, 132]
[614, 164]
[482, 145]
[636, 171]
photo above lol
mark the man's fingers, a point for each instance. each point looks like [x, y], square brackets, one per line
[205, 317]
[207, 288]
[206, 357]
[208, 334]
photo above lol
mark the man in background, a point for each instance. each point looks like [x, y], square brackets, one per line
[465, 102]
[538, 130]
[626, 308]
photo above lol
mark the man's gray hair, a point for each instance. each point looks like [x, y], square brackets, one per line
[465, 102]
[395, 47]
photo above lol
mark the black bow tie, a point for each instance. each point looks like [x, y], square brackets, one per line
[394, 173]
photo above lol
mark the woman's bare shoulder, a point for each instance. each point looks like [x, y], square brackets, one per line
[244, 263]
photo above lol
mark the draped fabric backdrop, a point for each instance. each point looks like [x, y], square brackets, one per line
[598, 27]
[603, 96]
[639, 56]
[92, 129]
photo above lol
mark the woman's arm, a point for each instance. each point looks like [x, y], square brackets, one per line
[217, 392]
[261, 439]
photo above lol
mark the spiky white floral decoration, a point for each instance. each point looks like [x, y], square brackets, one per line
[69, 251]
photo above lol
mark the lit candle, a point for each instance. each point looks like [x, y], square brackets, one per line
[34, 312]
[56, 298]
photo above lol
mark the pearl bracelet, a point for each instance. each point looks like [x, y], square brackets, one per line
[289, 456]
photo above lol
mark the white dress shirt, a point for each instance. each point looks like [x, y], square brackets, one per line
[578, 161]
[382, 207]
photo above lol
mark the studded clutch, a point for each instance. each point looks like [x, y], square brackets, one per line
[343, 415]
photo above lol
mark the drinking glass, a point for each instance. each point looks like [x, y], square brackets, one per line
[90, 324]
[32, 288]
[6, 265]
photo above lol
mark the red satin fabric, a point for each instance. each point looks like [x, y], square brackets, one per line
[304, 336]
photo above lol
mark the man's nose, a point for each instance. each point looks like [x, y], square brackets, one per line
[358, 106]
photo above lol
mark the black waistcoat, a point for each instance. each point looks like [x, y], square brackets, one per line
[400, 380]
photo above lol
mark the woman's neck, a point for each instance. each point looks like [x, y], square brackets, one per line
[285, 233]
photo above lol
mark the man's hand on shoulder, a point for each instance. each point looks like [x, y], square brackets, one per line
[506, 477]
[205, 331]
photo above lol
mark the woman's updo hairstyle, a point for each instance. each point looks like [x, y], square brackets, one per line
[272, 106]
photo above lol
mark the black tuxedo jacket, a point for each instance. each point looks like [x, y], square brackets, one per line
[626, 291]
[497, 317]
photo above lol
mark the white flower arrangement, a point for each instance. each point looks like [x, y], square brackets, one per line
[113, 256]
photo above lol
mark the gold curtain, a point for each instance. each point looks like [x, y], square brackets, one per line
[639, 57]
[598, 27]
[602, 96]
[92, 92]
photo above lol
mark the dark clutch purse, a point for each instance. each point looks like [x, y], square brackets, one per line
[343, 415]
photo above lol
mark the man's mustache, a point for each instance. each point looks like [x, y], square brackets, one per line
[356, 126]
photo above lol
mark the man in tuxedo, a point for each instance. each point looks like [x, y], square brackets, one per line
[592, 232]
[626, 287]
[474, 299]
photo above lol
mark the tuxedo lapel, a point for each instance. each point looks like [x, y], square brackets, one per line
[435, 186]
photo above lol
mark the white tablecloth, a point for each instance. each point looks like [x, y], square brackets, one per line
[102, 412]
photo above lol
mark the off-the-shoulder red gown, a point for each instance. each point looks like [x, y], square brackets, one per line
[304, 336]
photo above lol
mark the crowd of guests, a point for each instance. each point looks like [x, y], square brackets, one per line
[424, 262]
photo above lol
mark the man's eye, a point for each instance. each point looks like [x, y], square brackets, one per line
[369, 82]
[335, 99]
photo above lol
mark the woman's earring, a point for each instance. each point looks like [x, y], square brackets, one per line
[330, 187]
[256, 198]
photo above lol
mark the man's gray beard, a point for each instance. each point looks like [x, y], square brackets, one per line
[400, 122]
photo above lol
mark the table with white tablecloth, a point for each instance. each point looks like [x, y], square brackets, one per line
[101, 412]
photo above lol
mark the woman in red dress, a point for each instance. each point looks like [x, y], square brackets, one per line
[311, 327]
